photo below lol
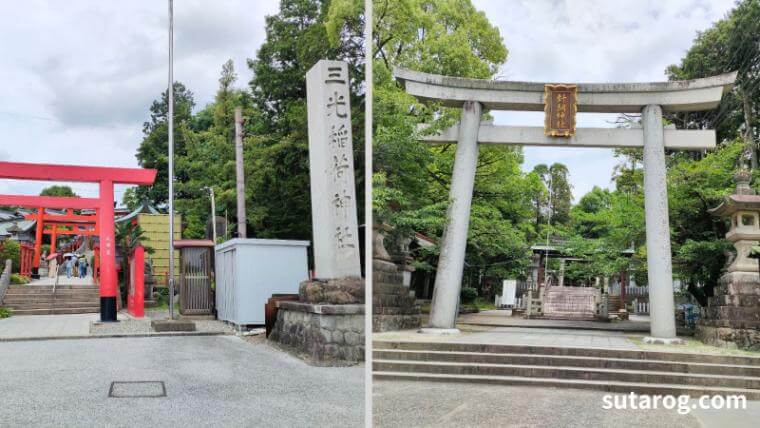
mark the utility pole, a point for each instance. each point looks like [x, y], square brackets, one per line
[171, 159]
[239, 171]
[213, 214]
[548, 229]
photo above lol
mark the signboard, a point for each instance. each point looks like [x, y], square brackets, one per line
[559, 110]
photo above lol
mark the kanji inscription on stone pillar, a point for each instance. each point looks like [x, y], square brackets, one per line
[331, 164]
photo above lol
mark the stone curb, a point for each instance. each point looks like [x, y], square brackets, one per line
[681, 332]
[112, 336]
[326, 309]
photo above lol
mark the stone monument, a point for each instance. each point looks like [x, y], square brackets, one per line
[327, 322]
[732, 316]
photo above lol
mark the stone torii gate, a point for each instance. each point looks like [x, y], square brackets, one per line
[104, 204]
[561, 102]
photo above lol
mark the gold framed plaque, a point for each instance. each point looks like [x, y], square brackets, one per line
[560, 107]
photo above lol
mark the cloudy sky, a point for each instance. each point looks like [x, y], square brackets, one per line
[592, 41]
[79, 76]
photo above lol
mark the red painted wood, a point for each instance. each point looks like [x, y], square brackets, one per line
[38, 237]
[136, 294]
[49, 201]
[89, 174]
[108, 280]
[64, 218]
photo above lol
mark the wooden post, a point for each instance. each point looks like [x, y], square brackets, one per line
[239, 172]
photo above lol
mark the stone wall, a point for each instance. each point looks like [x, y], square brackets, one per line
[570, 302]
[322, 334]
[394, 306]
[732, 316]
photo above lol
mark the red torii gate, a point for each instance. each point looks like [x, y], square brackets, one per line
[104, 204]
[55, 220]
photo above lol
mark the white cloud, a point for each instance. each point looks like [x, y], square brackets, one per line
[79, 76]
[592, 41]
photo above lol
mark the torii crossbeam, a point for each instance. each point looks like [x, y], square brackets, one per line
[106, 177]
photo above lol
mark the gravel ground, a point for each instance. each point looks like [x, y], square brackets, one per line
[129, 325]
[210, 381]
[434, 404]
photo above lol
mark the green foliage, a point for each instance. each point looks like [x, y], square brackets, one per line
[411, 180]
[19, 279]
[605, 223]
[57, 191]
[731, 44]
[556, 200]
[275, 143]
[10, 249]
[468, 295]
[5, 313]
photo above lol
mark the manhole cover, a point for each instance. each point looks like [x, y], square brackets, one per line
[137, 389]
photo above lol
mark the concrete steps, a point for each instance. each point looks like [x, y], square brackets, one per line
[613, 370]
[40, 300]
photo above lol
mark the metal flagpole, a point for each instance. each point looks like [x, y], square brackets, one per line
[171, 159]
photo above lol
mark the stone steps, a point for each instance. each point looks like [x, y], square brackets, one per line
[40, 300]
[614, 387]
[58, 311]
[614, 370]
[570, 361]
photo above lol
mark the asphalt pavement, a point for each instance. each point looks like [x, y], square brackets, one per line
[208, 381]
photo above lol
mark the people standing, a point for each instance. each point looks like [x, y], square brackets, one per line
[82, 267]
[69, 263]
[53, 268]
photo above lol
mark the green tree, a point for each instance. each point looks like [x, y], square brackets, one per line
[10, 249]
[153, 151]
[57, 190]
[277, 135]
[411, 180]
[731, 44]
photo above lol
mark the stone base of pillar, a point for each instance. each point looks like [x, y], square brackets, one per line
[394, 306]
[664, 341]
[322, 335]
[439, 331]
[339, 291]
[732, 316]
[732, 338]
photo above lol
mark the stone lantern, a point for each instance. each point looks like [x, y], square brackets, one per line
[732, 316]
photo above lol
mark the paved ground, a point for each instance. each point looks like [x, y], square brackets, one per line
[503, 318]
[423, 404]
[32, 326]
[79, 325]
[217, 380]
[523, 336]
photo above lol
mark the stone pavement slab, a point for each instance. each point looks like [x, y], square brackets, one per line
[521, 336]
[503, 318]
[35, 326]
[210, 381]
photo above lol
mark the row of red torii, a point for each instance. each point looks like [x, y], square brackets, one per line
[100, 224]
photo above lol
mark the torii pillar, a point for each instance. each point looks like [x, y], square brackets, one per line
[649, 99]
[104, 204]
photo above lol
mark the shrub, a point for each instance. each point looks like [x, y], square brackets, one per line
[5, 313]
[19, 279]
[10, 249]
[468, 295]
